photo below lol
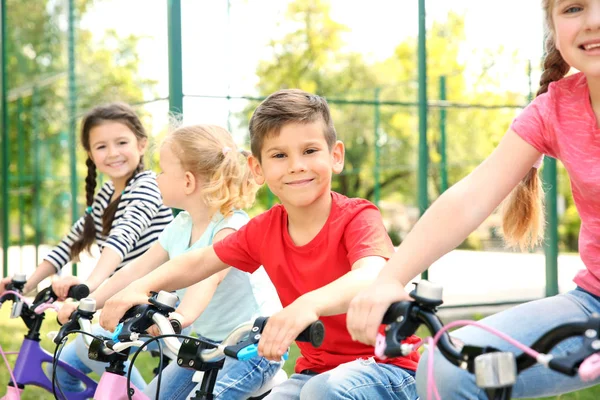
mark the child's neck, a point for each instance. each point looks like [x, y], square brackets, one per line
[305, 223]
[201, 216]
[119, 186]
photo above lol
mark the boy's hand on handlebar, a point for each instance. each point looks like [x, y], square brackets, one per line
[283, 328]
[118, 305]
[65, 312]
[368, 307]
[61, 286]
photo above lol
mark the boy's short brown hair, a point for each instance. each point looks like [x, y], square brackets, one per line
[289, 106]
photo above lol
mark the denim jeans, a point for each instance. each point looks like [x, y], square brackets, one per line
[237, 380]
[525, 323]
[360, 379]
[76, 355]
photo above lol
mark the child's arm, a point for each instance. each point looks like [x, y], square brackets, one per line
[194, 301]
[153, 258]
[141, 205]
[198, 296]
[44, 270]
[109, 261]
[331, 299]
[457, 213]
[143, 265]
[180, 272]
[57, 258]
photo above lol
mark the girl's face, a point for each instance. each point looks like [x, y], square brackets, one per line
[172, 179]
[577, 33]
[116, 151]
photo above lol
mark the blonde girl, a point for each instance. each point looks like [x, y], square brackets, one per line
[204, 174]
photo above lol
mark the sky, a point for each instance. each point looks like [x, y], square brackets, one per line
[221, 49]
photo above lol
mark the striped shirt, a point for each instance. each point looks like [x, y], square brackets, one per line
[140, 218]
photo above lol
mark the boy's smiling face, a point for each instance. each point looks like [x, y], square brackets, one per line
[297, 164]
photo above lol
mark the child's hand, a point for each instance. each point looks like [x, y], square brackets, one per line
[175, 318]
[119, 304]
[61, 286]
[3, 283]
[368, 307]
[283, 328]
[68, 308]
[153, 330]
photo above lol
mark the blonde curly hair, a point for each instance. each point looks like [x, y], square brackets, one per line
[209, 151]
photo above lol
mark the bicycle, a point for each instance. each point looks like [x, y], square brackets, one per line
[495, 371]
[193, 353]
[28, 366]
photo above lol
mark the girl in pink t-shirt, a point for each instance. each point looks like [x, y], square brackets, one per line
[562, 122]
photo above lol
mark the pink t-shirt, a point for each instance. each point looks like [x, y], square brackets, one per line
[562, 125]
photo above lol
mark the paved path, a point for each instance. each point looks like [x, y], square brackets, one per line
[468, 277]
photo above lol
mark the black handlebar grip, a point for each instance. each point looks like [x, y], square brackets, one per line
[78, 292]
[314, 334]
[394, 311]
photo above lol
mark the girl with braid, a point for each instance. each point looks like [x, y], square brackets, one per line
[124, 217]
[563, 122]
[207, 178]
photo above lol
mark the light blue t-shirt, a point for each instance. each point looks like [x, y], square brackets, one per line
[234, 301]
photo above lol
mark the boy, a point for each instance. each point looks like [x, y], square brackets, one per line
[318, 247]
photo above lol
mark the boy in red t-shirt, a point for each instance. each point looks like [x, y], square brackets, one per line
[318, 247]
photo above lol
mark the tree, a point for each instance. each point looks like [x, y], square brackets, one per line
[36, 67]
[312, 58]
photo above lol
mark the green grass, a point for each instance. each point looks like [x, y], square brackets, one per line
[12, 331]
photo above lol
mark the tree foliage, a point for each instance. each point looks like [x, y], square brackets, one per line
[37, 65]
[312, 56]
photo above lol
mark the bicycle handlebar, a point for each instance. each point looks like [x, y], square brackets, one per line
[76, 292]
[80, 319]
[47, 295]
[234, 346]
[405, 317]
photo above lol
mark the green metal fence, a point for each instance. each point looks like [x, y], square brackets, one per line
[25, 176]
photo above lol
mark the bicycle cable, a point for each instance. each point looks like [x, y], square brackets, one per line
[140, 349]
[57, 351]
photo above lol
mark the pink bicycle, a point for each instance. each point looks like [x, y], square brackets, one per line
[495, 371]
[190, 352]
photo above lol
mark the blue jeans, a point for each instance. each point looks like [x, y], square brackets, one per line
[525, 323]
[76, 355]
[237, 380]
[360, 379]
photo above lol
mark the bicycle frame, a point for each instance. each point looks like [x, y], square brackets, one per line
[111, 387]
[28, 366]
[28, 371]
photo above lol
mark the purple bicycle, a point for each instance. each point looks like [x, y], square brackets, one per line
[28, 368]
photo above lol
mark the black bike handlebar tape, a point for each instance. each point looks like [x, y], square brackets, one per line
[314, 334]
[78, 292]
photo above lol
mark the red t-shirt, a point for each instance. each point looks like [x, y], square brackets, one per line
[353, 230]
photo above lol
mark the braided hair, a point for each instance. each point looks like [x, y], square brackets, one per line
[113, 112]
[523, 211]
